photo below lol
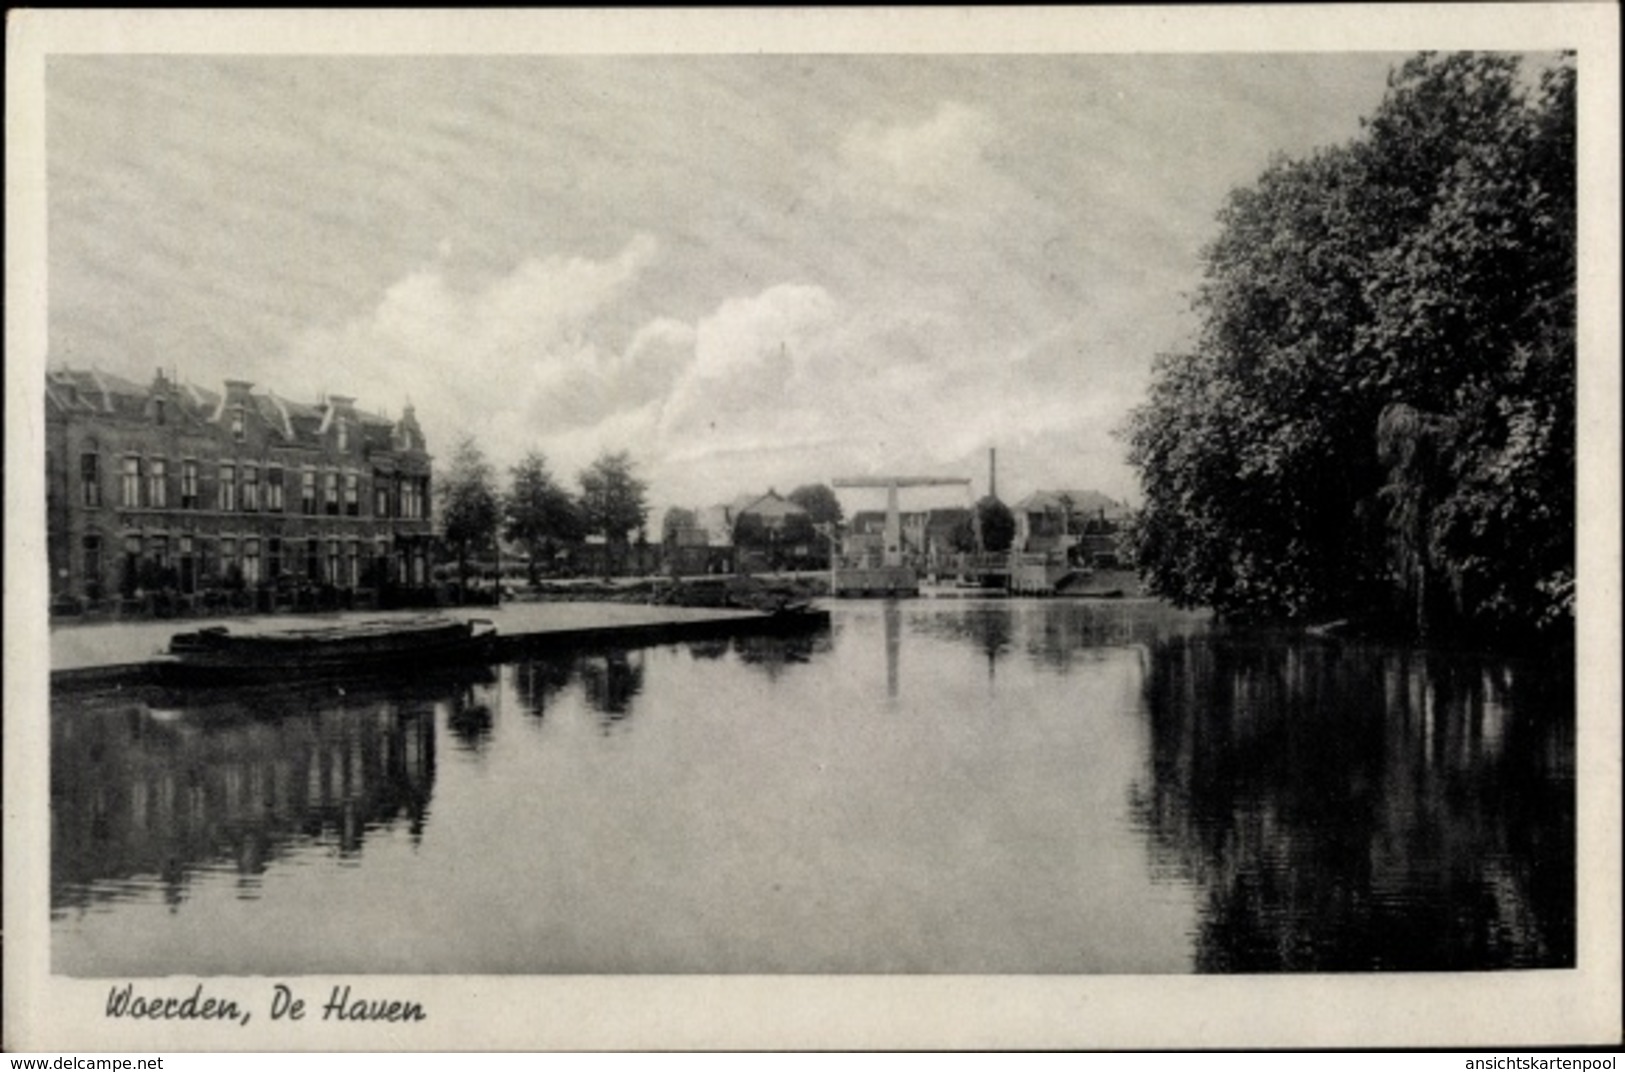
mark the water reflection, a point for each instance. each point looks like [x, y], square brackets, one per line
[1343, 809]
[150, 787]
[1070, 787]
[1051, 634]
[470, 716]
[611, 680]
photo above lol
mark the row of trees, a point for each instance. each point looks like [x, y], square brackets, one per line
[1377, 418]
[536, 511]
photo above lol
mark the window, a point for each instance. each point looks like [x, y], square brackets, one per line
[411, 493]
[228, 487]
[158, 483]
[352, 494]
[353, 567]
[239, 423]
[189, 486]
[333, 562]
[160, 552]
[90, 479]
[380, 494]
[251, 487]
[132, 564]
[330, 483]
[158, 411]
[188, 564]
[228, 558]
[273, 558]
[130, 486]
[343, 434]
[307, 491]
[313, 563]
[273, 489]
[251, 561]
[93, 567]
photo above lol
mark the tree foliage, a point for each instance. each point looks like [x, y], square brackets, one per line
[1378, 413]
[819, 500]
[538, 512]
[612, 499]
[469, 503]
[995, 525]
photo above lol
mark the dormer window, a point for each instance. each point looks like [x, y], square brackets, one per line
[344, 434]
[239, 423]
[158, 411]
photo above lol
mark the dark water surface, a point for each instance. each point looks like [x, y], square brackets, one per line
[931, 786]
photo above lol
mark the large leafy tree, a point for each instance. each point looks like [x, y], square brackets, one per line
[470, 507]
[819, 500]
[612, 502]
[539, 513]
[1378, 409]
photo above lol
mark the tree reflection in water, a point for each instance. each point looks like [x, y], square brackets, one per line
[149, 787]
[469, 716]
[774, 654]
[612, 680]
[1354, 809]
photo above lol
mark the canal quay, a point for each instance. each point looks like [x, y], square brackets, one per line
[112, 650]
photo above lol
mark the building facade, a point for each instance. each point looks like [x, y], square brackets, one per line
[235, 497]
[1081, 524]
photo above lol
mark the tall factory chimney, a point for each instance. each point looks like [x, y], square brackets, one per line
[993, 472]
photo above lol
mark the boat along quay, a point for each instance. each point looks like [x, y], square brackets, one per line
[88, 654]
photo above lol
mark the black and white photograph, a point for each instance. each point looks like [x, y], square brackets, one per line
[784, 529]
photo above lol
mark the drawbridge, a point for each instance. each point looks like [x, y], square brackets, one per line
[892, 575]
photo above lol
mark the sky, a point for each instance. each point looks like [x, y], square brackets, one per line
[748, 271]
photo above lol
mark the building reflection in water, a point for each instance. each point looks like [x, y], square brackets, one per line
[1356, 809]
[150, 787]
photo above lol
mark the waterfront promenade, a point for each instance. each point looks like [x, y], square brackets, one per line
[82, 650]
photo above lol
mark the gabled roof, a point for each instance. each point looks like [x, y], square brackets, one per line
[91, 391]
[771, 504]
[1083, 503]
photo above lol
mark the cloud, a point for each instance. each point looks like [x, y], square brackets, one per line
[533, 349]
[942, 155]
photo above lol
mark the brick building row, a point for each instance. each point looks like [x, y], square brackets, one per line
[177, 489]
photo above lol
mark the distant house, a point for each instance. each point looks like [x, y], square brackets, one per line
[865, 535]
[773, 510]
[1081, 523]
[927, 534]
[930, 533]
[717, 523]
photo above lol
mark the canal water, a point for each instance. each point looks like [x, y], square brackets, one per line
[959, 786]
